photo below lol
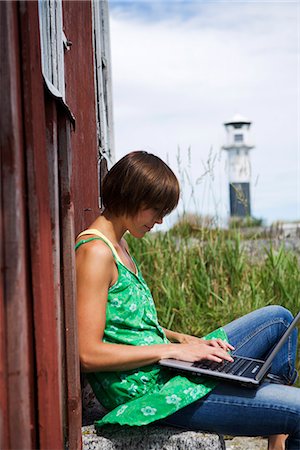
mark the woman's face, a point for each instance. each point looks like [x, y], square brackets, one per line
[144, 221]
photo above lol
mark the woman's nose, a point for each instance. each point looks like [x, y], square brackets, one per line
[159, 220]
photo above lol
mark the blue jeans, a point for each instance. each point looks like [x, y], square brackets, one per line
[239, 411]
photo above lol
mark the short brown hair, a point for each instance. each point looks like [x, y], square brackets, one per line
[140, 180]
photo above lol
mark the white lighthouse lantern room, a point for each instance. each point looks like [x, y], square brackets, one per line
[238, 145]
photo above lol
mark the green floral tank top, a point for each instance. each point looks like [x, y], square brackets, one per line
[143, 395]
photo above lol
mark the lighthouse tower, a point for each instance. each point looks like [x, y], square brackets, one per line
[239, 169]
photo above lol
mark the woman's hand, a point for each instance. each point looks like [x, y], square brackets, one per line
[194, 348]
[213, 350]
[182, 338]
[219, 343]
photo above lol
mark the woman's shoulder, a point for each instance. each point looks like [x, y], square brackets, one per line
[95, 261]
[93, 247]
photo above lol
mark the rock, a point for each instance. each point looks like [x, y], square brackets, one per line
[150, 437]
[246, 443]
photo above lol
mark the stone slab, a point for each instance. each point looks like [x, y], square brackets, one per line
[150, 437]
[246, 443]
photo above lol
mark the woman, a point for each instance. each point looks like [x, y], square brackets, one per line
[120, 340]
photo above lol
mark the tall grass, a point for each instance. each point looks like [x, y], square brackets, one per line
[203, 282]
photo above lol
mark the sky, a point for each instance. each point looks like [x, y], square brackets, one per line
[182, 68]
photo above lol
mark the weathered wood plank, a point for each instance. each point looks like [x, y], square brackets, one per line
[80, 96]
[3, 344]
[69, 293]
[3, 356]
[41, 250]
[52, 159]
[16, 299]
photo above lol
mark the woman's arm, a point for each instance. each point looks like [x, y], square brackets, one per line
[174, 336]
[96, 271]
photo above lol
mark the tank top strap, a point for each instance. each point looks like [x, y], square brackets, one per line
[98, 233]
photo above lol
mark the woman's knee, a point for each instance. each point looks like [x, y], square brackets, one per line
[278, 312]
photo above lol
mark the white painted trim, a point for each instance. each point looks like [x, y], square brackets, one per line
[103, 83]
[52, 43]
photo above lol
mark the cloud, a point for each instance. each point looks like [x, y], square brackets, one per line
[178, 75]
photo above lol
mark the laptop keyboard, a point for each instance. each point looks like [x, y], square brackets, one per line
[238, 367]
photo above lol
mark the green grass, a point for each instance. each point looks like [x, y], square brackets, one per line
[202, 283]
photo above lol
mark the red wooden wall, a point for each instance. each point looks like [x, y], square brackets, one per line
[80, 96]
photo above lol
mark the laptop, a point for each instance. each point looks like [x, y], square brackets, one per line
[246, 371]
